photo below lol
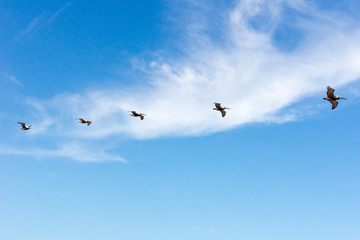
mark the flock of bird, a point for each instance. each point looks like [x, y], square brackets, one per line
[330, 97]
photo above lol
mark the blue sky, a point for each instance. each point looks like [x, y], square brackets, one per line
[280, 165]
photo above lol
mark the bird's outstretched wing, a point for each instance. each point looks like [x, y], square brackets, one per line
[81, 120]
[134, 113]
[88, 122]
[22, 124]
[334, 104]
[330, 92]
[223, 113]
[218, 105]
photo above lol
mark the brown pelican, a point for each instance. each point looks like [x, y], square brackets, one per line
[135, 114]
[23, 127]
[220, 109]
[331, 98]
[81, 120]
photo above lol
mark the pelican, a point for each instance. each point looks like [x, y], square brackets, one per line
[81, 120]
[23, 127]
[135, 114]
[331, 98]
[220, 109]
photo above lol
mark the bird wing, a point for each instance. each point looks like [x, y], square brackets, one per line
[334, 103]
[330, 92]
[134, 113]
[218, 105]
[223, 113]
[22, 124]
[82, 120]
[88, 122]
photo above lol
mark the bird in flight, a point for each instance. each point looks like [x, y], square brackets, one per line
[81, 120]
[331, 98]
[221, 109]
[23, 127]
[135, 114]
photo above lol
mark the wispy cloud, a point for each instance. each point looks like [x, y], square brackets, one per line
[70, 150]
[58, 12]
[33, 25]
[11, 78]
[249, 72]
[42, 21]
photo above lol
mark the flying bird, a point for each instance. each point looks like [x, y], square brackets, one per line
[81, 120]
[23, 127]
[331, 98]
[135, 114]
[221, 109]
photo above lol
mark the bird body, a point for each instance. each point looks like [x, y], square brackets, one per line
[332, 98]
[24, 127]
[135, 114]
[220, 109]
[81, 120]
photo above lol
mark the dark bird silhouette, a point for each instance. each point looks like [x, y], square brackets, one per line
[23, 127]
[81, 120]
[135, 114]
[221, 109]
[331, 98]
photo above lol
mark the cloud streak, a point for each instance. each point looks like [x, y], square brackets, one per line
[58, 12]
[34, 24]
[42, 21]
[72, 150]
[11, 78]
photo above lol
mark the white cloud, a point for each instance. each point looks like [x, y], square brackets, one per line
[33, 24]
[42, 21]
[10, 78]
[58, 12]
[248, 73]
[70, 150]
